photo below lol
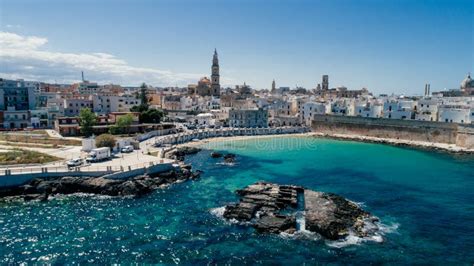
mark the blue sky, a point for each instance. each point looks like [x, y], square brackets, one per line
[384, 45]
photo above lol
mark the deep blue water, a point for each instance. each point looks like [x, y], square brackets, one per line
[425, 200]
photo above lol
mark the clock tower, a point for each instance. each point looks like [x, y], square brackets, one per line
[215, 86]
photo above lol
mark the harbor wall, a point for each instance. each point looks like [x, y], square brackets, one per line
[451, 133]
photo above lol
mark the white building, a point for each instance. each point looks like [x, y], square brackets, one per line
[427, 110]
[372, 110]
[248, 118]
[343, 107]
[314, 108]
[455, 114]
[206, 119]
[186, 103]
[399, 109]
[73, 107]
[105, 104]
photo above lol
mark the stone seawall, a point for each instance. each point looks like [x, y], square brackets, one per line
[449, 133]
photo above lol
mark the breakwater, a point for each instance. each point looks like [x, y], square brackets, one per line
[426, 131]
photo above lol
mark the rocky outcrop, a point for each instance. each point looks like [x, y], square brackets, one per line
[333, 216]
[262, 203]
[229, 158]
[215, 154]
[39, 189]
[181, 152]
[272, 208]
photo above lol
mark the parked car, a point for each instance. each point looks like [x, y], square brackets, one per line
[74, 162]
[127, 149]
[191, 127]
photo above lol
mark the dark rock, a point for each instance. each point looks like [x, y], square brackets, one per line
[275, 224]
[229, 158]
[331, 215]
[271, 208]
[216, 154]
[38, 189]
[181, 152]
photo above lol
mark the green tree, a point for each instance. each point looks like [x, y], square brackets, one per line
[122, 125]
[143, 97]
[87, 119]
[105, 140]
[151, 116]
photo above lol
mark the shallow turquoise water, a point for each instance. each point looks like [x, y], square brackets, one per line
[425, 200]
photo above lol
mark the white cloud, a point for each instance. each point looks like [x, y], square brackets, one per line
[26, 57]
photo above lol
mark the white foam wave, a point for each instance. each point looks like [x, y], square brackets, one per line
[226, 164]
[375, 233]
[219, 212]
[78, 195]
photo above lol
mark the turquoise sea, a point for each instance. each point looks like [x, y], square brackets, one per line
[425, 201]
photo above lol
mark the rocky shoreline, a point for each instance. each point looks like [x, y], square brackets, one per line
[41, 189]
[273, 208]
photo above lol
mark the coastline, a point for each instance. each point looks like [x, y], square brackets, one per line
[424, 145]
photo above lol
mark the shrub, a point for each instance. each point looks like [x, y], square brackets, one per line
[105, 140]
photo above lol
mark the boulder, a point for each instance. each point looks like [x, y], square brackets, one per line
[229, 158]
[275, 224]
[216, 154]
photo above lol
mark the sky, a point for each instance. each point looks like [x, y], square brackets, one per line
[387, 46]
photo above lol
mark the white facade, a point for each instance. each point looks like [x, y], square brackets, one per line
[186, 103]
[206, 119]
[343, 107]
[113, 103]
[369, 110]
[427, 110]
[314, 108]
[73, 107]
[455, 114]
[401, 109]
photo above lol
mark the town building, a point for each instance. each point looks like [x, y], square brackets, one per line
[73, 106]
[248, 118]
[17, 97]
[109, 103]
[399, 109]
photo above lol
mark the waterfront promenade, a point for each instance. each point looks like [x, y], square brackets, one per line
[180, 138]
[138, 162]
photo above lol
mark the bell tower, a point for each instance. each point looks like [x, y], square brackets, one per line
[215, 85]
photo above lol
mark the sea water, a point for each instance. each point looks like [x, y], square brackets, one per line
[424, 200]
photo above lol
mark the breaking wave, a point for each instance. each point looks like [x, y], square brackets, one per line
[375, 233]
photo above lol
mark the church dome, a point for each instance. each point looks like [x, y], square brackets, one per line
[467, 82]
[204, 80]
